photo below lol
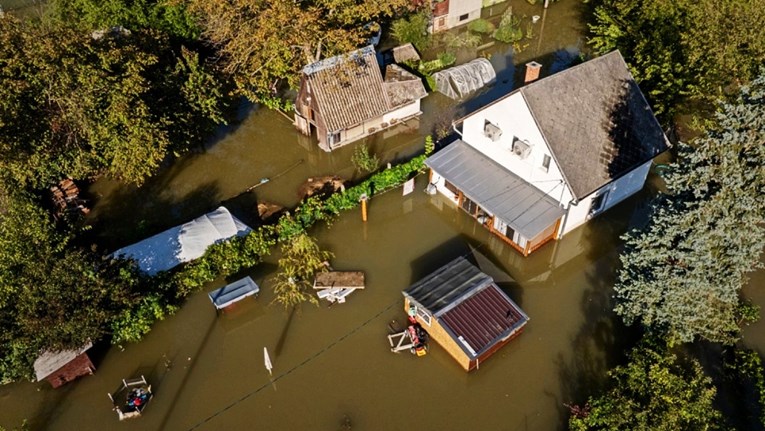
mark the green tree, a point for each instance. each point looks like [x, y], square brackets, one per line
[78, 106]
[653, 392]
[682, 49]
[301, 259]
[53, 294]
[264, 44]
[413, 29]
[363, 160]
[683, 272]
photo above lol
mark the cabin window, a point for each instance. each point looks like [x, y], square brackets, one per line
[449, 186]
[464, 17]
[598, 203]
[546, 163]
[424, 315]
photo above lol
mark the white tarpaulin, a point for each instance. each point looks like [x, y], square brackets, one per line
[183, 243]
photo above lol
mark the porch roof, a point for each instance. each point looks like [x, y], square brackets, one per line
[522, 206]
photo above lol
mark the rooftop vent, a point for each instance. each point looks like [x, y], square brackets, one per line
[521, 148]
[492, 131]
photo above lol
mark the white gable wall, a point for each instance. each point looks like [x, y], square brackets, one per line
[513, 117]
[457, 8]
[616, 191]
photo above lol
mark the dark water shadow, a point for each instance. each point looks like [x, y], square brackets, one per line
[283, 336]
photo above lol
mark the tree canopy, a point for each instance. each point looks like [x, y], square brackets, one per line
[680, 49]
[682, 273]
[265, 43]
[79, 105]
[654, 391]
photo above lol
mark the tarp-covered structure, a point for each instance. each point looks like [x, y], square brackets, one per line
[456, 82]
[183, 243]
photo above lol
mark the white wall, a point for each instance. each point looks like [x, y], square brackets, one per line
[453, 19]
[513, 117]
[618, 190]
[403, 112]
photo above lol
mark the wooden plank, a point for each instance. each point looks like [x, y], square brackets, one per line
[339, 279]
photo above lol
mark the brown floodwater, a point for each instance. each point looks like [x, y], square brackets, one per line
[332, 365]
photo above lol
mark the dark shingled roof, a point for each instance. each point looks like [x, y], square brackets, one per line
[447, 285]
[348, 88]
[596, 121]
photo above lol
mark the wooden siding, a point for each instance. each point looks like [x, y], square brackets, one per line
[443, 338]
[79, 366]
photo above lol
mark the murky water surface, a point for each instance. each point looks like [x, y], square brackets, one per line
[332, 365]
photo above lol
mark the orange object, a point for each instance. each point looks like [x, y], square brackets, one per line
[363, 209]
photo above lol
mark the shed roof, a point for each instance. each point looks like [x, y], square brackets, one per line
[483, 319]
[183, 243]
[348, 88]
[447, 286]
[339, 279]
[402, 86]
[596, 121]
[522, 206]
[233, 292]
[50, 361]
[405, 52]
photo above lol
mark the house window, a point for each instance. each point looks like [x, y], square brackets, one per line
[464, 17]
[469, 206]
[546, 163]
[598, 203]
[334, 138]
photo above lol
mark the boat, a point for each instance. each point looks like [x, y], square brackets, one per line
[131, 398]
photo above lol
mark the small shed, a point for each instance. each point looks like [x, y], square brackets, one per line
[234, 292]
[459, 81]
[61, 367]
[465, 312]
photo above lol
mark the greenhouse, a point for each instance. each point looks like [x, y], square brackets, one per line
[457, 82]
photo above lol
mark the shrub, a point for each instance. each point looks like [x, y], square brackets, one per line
[481, 26]
[509, 30]
[412, 30]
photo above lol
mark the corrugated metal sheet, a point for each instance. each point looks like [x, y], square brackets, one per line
[483, 319]
[522, 206]
[348, 88]
[447, 285]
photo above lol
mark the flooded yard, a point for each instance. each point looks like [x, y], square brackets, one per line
[332, 365]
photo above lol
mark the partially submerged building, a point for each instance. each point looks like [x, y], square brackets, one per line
[345, 98]
[183, 243]
[546, 158]
[63, 366]
[465, 312]
[452, 13]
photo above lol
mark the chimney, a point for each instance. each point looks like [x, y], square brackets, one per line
[532, 72]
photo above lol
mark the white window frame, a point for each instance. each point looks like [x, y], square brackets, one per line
[424, 315]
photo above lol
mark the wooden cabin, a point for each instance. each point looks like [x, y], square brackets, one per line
[61, 367]
[465, 312]
[346, 98]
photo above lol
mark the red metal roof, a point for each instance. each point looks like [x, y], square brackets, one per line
[484, 319]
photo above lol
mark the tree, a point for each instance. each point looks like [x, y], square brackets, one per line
[363, 160]
[683, 49]
[53, 294]
[76, 105]
[413, 29]
[301, 259]
[683, 272]
[653, 392]
[265, 44]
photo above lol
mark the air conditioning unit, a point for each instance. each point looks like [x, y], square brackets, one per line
[521, 149]
[492, 132]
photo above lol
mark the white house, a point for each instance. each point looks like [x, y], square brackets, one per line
[544, 159]
[452, 13]
[345, 98]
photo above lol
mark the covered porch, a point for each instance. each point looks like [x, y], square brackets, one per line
[511, 208]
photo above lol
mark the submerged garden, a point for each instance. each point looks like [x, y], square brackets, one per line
[123, 89]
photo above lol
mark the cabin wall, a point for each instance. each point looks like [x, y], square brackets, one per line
[79, 366]
[402, 113]
[443, 338]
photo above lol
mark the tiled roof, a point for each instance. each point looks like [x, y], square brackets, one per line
[50, 361]
[402, 87]
[348, 88]
[596, 121]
